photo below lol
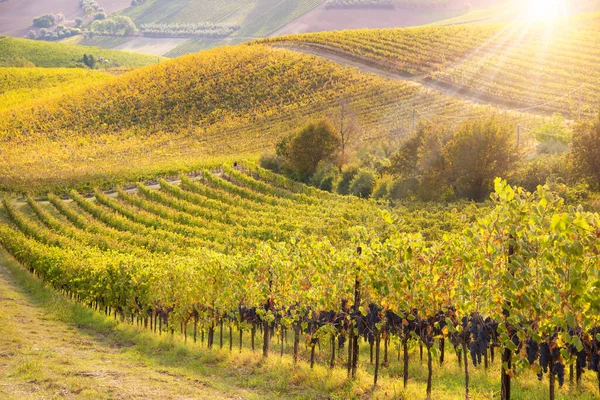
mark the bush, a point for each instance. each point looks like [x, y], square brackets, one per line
[348, 175]
[44, 21]
[99, 16]
[325, 176]
[363, 184]
[479, 152]
[382, 188]
[31, 35]
[78, 22]
[586, 150]
[271, 162]
[542, 170]
[402, 189]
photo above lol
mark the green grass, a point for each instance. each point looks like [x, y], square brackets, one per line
[104, 42]
[191, 11]
[58, 55]
[223, 373]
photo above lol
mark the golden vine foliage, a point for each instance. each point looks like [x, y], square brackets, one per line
[172, 117]
[521, 62]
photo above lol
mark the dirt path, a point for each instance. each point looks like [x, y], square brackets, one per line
[372, 66]
[41, 357]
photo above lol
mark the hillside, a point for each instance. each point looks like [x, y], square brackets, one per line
[221, 103]
[58, 55]
[20, 85]
[522, 64]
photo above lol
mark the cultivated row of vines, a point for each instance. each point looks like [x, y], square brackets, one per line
[521, 63]
[250, 252]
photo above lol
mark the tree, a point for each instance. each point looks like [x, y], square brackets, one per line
[586, 149]
[78, 22]
[479, 152]
[90, 61]
[403, 163]
[347, 128]
[119, 25]
[44, 21]
[304, 150]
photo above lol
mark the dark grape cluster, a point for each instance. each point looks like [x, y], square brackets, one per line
[550, 360]
[479, 337]
[532, 350]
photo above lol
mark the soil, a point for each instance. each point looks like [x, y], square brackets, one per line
[323, 19]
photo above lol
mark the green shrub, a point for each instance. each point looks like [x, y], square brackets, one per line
[118, 25]
[381, 190]
[348, 175]
[363, 184]
[271, 162]
[303, 151]
[44, 21]
[325, 176]
[402, 189]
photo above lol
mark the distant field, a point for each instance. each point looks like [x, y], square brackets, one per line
[56, 55]
[329, 19]
[191, 11]
[16, 15]
[256, 18]
[268, 16]
[153, 46]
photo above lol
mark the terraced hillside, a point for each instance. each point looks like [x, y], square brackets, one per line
[550, 65]
[15, 52]
[218, 104]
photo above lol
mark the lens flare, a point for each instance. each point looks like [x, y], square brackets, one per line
[546, 10]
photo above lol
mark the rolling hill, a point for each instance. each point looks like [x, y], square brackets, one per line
[176, 115]
[59, 55]
[21, 85]
[522, 64]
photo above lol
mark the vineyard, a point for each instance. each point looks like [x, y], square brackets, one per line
[245, 251]
[231, 103]
[520, 63]
[22, 85]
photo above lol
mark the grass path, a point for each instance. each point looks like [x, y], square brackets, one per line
[42, 357]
